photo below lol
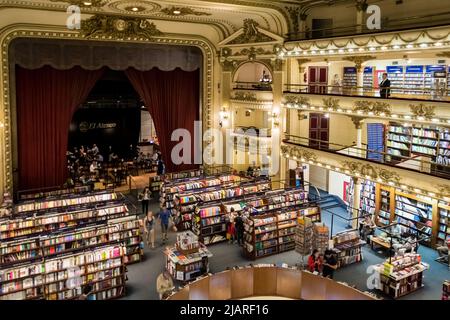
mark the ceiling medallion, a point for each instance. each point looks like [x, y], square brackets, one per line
[118, 27]
[137, 7]
[84, 3]
[183, 11]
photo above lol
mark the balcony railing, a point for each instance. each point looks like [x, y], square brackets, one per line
[417, 163]
[387, 25]
[261, 86]
[428, 94]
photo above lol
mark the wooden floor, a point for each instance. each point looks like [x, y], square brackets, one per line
[137, 182]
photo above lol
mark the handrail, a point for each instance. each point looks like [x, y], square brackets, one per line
[388, 26]
[261, 86]
[432, 94]
[441, 170]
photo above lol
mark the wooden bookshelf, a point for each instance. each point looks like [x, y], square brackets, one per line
[33, 195]
[347, 245]
[401, 275]
[274, 232]
[63, 278]
[443, 229]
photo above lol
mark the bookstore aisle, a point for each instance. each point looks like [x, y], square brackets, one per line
[141, 283]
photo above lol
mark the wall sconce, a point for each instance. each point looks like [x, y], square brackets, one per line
[223, 115]
[276, 117]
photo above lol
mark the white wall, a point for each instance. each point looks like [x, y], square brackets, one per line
[336, 183]
[251, 72]
[318, 177]
[147, 127]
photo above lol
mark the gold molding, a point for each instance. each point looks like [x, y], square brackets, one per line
[299, 154]
[421, 110]
[183, 11]
[444, 190]
[357, 121]
[39, 31]
[118, 27]
[244, 96]
[359, 60]
[377, 107]
[80, 3]
[444, 54]
[331, 103]
[251, 34]
[363, 170]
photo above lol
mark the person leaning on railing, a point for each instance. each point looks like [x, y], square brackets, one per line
[385, 85]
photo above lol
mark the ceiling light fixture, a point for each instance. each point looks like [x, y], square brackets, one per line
[176, 12]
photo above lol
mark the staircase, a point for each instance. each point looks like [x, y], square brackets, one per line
[327, 201]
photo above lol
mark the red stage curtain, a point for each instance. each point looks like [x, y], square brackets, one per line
[46, 101]
[172, 98]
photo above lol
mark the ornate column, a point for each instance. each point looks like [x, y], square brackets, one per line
[358, 122]
[359, 65]
[356, 200]
[303, 26]
[278, 166]
[294, 15]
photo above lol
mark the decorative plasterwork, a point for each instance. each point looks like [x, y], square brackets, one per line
[359, 60]
[357, 121]
[299, 154]
[183, 11]
[264, 105]
[244, 95]
[361, 5]
[443, 190]
[6, 162]
[250, 33]
[422, 110]
[252, 53]
[118, 27]
[423, 39]
[377, 108]
[331, 103]
[374, 172]
[297, 100]
[294, 13]
[441, 121]
[81, 3]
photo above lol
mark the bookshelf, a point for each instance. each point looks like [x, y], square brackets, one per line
[304, 236]
[209, 223]
[347, 245]
[125, 231]
[62, 278]
[384, 212]
[414, 80]
[443, 233]
[401, 275]
[53, 193]
[349, 80]
[275, 232]
[415, 212]
[396, 76]
[368, 78]
[64, 203]
[26, 227]
[155, 183]
[367, 200]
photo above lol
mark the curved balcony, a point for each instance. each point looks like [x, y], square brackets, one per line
[427, 94]
[418, 163]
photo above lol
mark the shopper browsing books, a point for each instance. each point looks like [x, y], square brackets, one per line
[367, 227]
[144, 197]
[443, 251]
[231, 228]
[149, 222]
[164, 216]
[239, 226]
[314, 262]
[87, 293]
[164, 285]
[329, 263]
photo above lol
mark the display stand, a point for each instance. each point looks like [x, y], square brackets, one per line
[347, 245]
[304, 236]
[401, 275]
[188, 259]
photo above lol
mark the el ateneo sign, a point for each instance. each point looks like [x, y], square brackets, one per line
[86, 126]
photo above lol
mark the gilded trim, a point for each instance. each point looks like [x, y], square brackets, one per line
[36, 31]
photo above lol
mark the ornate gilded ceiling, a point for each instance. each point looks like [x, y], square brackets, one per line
[225, 16]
